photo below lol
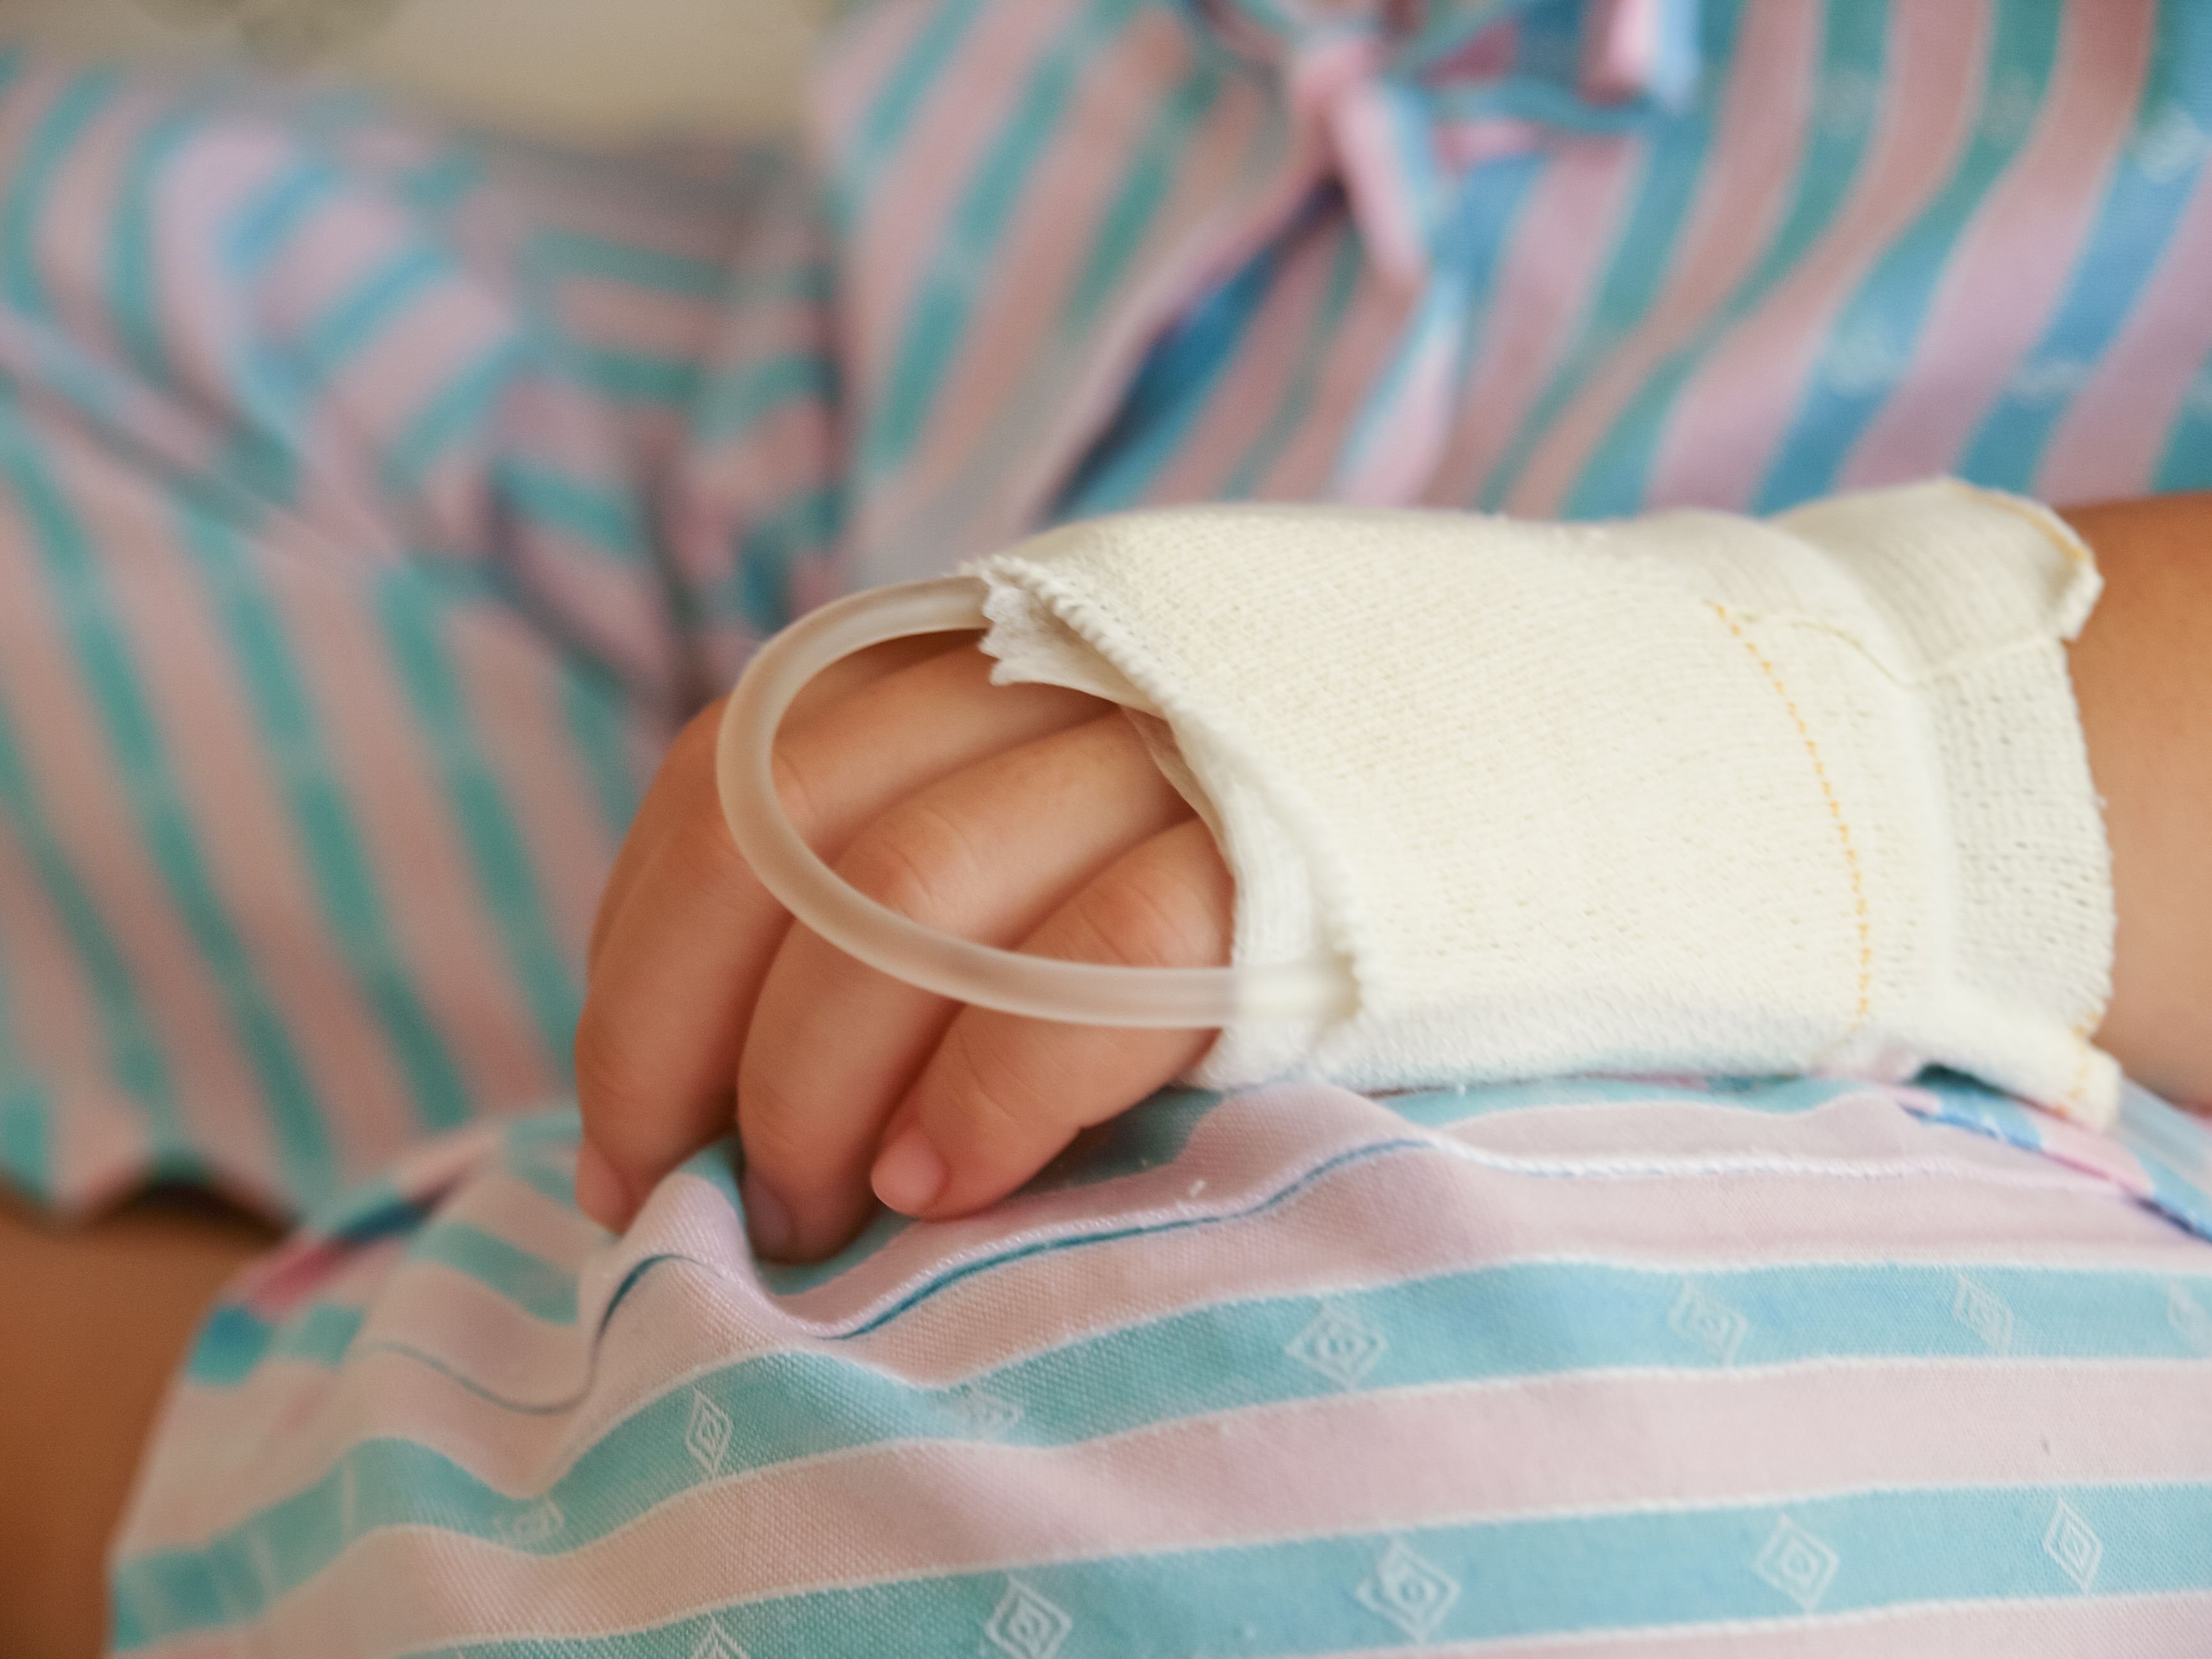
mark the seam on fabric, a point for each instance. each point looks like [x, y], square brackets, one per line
[1863, 916]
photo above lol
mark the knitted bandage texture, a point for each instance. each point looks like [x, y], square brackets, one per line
[1689, 792]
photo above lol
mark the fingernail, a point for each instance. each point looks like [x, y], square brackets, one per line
[908, 1174]
[767, 1223]
[600, 1193]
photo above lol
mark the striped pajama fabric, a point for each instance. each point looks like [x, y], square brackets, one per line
[374, 499]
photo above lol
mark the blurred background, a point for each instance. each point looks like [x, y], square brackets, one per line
[593, 70]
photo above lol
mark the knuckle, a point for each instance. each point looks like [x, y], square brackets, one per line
[608, 1078]
[995, 1098]
[776, 1135]
[1138, 917]
[914, 860]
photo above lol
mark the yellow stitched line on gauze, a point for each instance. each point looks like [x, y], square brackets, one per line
[1865, 1008]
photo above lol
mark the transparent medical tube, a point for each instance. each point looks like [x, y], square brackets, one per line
[1042, 987]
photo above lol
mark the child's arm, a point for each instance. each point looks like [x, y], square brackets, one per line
[2142, 675]
[1023, 815]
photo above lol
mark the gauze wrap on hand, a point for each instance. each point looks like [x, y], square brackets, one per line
[1689, 792]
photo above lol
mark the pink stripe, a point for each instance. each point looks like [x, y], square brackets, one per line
[2011, 267]
[347, 236]
[1256, 382]
[1551, 273]
[1400, 454]
[2113, 435]
[1729, 419]
[77, 221]
[1361, 125]
[53, 1033]
[1766, 106]
[1362, 1461]
[223, 768]
[1621, 48]
[446, 942]
[852, 65]
[1037, 264]
[67, 750]
[699, 1307]
[1022, 435]
[899, 234]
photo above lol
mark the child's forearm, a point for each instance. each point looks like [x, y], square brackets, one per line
[2142, 672]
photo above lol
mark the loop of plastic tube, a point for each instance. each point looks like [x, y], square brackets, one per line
[1042, 987]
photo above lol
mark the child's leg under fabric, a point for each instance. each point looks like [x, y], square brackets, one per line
[358, 553]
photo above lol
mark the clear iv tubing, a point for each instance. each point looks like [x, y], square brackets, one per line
[1042, 987]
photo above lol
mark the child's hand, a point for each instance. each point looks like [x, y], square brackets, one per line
[1018, 816]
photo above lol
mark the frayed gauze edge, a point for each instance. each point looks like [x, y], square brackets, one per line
[1689, 792]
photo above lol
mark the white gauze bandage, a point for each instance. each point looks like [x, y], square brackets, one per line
[1689, 792]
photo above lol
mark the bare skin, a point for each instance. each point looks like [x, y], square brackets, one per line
[1016, 814]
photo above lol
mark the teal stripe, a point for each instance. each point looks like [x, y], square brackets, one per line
[1883, 320]
[1618, 470]
[883, 126]
[323, 821]
[2187, 462]
[132, 256]
[760, 582]
[532, 1284]
[453, 413]
[735, 401]
[441, 184]
[1128, 217]
[233, 1341]
[80, 104]
[375, 303]
[1642, 258]
[1290, 415]
[2149, 190]
[134, 1060]
[936, 325]
[605, 515]
[26, 1134]
[412, 614]
[636, 377]
[76, 569]
[1719, 1567]
[1523, 1319]
[268, 223]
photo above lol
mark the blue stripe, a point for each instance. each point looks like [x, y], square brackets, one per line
[1643, 256]
[532, 1284]
[1346, 265]
[1878, 329]
[605, 516]
[375, 303]
[1618, 473]
[80, 104]
[2187, 463]
[76, 571]
[1456, 301]
[1128, 217]
[1621, 1570]
[884, 125]
[1516, 1320]
[412, 613]
[2143, 203]
[134, 1060]
[456, 412]
[739, 398]
[936, 322]
[760, 580]
[266, 224]
[132, 253]
[323, 822]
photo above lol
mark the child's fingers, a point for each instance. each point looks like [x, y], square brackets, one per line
[685, 947]
[684, 787]
[987, 854]
[1002, 1095]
